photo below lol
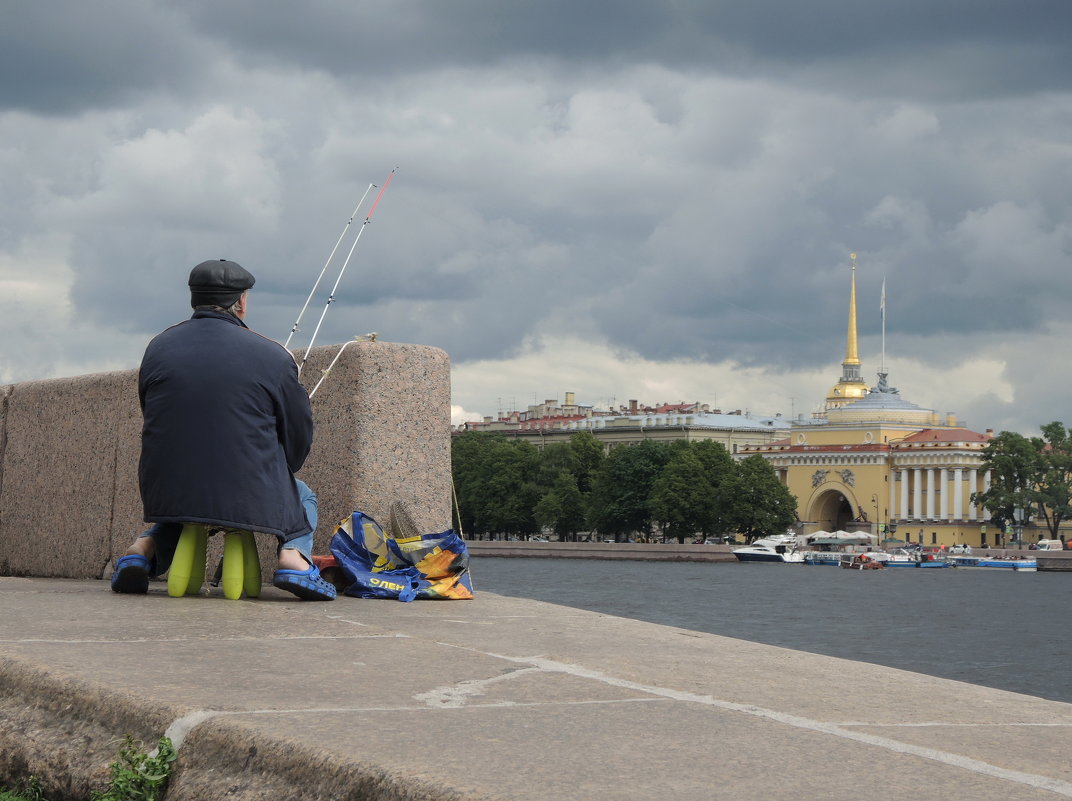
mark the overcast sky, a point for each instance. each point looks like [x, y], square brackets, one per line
[652, 200]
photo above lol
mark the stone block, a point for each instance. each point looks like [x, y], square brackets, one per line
[58, 499]
[382, 418]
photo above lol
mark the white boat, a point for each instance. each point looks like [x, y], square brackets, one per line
[780, 548]
[899, 557]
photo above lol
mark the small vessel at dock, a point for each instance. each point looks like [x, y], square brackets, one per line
[1019, 563]
[863, 561]
[780, 548]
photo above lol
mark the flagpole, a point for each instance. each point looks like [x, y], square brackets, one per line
[882, 308]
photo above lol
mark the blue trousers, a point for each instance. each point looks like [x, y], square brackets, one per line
[165, 536]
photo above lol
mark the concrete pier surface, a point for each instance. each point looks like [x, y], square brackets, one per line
[494, 698]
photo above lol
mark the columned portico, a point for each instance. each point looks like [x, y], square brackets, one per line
[973, 486]
[958, 493]
[892, 481]
[943, 482]
[930, 493]
[917, 493]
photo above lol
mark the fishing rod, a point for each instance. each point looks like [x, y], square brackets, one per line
[331, 297]
[320, 277]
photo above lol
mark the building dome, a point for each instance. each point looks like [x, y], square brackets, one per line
[882, 403]
[844, 392]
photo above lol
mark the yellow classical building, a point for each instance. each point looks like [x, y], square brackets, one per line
[872, 461]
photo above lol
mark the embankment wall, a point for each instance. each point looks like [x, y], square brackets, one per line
[69, 448]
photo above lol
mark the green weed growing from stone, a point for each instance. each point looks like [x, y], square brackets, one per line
[137, 775]
[30, 791]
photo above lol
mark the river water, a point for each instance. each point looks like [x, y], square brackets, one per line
[997, 628]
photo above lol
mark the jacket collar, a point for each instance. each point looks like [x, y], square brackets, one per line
[202, 314]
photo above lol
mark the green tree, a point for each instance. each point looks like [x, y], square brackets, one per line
[555, 458]
[495, 482]
[761, 505]
[1012, 460]
[510, 489]
[588, 455]
[721, 472]
[562, 508]
[1029, 477]
[682, 501]
[621, 492]
[1053, 481]
[467, 457]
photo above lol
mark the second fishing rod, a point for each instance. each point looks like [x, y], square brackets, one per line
[342, 271]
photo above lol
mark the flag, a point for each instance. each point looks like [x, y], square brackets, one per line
[882, 303]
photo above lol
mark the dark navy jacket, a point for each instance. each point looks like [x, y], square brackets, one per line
[226, 424]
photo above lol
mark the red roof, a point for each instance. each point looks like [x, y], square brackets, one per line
[947, 435]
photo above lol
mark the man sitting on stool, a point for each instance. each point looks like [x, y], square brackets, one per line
[226, 424]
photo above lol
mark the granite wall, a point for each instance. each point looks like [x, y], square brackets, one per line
[69, 447]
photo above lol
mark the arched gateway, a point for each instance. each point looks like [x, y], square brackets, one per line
[830, 510]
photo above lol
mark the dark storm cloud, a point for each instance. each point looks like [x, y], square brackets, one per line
[76, 55]
[910, 48]
[58, 58]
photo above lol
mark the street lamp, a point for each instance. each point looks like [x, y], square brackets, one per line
[878, 520]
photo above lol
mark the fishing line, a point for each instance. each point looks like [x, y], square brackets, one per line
[364, 338]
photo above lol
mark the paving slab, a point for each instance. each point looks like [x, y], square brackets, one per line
[494, 698]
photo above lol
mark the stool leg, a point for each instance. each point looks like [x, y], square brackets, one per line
[233, 573]
[182, 565]
[251, 563]
[197, 574]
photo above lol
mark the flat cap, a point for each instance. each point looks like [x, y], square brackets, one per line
[218, 283]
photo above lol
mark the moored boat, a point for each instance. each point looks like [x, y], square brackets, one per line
[1020, 563]
[827, 548]
[780, 548]
[863, 561]
[899, 557]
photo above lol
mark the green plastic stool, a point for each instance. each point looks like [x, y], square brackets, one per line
[241, 563]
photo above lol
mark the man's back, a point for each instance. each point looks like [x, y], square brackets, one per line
[226, 423]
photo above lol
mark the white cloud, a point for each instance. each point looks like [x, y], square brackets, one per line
[552, 364]
[211, 174]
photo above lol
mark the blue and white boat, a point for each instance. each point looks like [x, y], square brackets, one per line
[1025, 564]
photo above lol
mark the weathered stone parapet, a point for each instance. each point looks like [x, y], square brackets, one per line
[69, 449]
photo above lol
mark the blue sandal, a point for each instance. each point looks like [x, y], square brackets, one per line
[131, 574]
[306, 584]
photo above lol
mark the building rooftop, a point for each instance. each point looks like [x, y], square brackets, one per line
[947, 435]
[693, 420]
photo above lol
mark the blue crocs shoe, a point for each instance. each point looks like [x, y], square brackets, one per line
[131, 574]
[306, 584]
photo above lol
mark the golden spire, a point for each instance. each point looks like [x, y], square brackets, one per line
[852, 352]
[851, 387]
